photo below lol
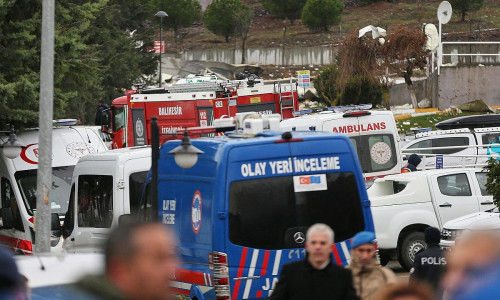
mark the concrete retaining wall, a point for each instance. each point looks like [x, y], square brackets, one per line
[321, 55]
[455, 86]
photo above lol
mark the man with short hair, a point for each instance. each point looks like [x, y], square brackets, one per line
[369, 277]
[102, 114]
[315, 277]
[140, 259]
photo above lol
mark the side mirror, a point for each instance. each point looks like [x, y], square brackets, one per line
[55, 229]
[7, 218]
[404, 157]
[55, 225]
[125, 219]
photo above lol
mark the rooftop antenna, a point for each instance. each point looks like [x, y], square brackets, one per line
[444, 15]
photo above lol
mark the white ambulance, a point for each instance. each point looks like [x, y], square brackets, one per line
[373, 134]
[18, 178]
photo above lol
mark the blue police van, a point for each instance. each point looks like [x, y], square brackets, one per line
[242, 211]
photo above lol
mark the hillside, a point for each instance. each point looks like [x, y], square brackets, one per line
[267, 30]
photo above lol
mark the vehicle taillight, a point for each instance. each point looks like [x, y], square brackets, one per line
[218, 262]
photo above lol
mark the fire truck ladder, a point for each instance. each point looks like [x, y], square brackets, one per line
[286, 101]
[194, 87]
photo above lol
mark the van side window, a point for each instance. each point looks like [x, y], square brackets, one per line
[454, 185]
[376, 152]
[491, 138]
[95, 201]
[136, 187]
[450, 142]
[482, 177]
[9, 200]
[69, 219]
[263, 212]
[422, 144]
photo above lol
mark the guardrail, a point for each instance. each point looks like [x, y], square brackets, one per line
[464, 157]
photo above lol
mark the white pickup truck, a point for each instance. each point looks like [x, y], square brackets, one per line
[404, 205]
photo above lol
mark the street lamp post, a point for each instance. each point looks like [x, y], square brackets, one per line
[12, 147]
[185, 156]
[161, 14]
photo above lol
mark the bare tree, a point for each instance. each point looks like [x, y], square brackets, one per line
[403, 52]
[244, 17]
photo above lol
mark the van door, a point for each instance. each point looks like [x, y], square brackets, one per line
[135, 172]
[454, 195]
[94, 212]
[485, 199]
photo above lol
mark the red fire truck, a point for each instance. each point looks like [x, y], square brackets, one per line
[195, 104]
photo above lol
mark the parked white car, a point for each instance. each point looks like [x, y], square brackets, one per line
[404, 205]
[459, 147]
[488, 220]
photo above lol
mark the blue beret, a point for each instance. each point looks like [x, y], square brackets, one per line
[363, 237]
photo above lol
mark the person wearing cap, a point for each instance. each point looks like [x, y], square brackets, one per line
[10, 280]
[429, 264]
[315, 277]
[369, 277]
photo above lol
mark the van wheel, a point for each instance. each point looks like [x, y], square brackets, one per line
[384, 258]
[413, 243]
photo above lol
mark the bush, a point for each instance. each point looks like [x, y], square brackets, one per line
[361, 90]
[326, 84]
[493, 180]
[320, 15]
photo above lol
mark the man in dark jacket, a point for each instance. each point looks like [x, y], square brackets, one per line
[315, 277]
[429, 264]
[102, 114]
[413, 162]
[140, 259]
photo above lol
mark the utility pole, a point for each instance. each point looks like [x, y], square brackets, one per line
[44, 174]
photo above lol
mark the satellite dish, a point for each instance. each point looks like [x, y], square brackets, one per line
[444, 12]
[432, 37]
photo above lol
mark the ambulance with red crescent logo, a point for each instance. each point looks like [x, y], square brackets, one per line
[242, 211]
[373, 134]
[18, 182]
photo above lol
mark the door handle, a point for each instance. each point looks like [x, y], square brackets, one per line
[446, 204]
[486, 203]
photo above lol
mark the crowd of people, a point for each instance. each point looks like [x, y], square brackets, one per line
[141, 258]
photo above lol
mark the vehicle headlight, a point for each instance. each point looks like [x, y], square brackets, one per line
[450, 234]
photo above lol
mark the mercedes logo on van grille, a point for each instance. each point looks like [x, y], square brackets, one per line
[299, 237]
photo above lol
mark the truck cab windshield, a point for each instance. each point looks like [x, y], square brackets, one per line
[59, 195]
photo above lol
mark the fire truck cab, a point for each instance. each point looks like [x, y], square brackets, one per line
[195, 104]
[242, 211]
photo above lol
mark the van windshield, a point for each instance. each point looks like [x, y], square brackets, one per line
[266, 213]
[376, 152]
[59, 195]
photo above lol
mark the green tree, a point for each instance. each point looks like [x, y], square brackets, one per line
[462, 7]
[228, 18]
[326, 84]
[493, 180]
[361, 89]
[320, 15]
[181, 14]
[95, 56]
[285, 9]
